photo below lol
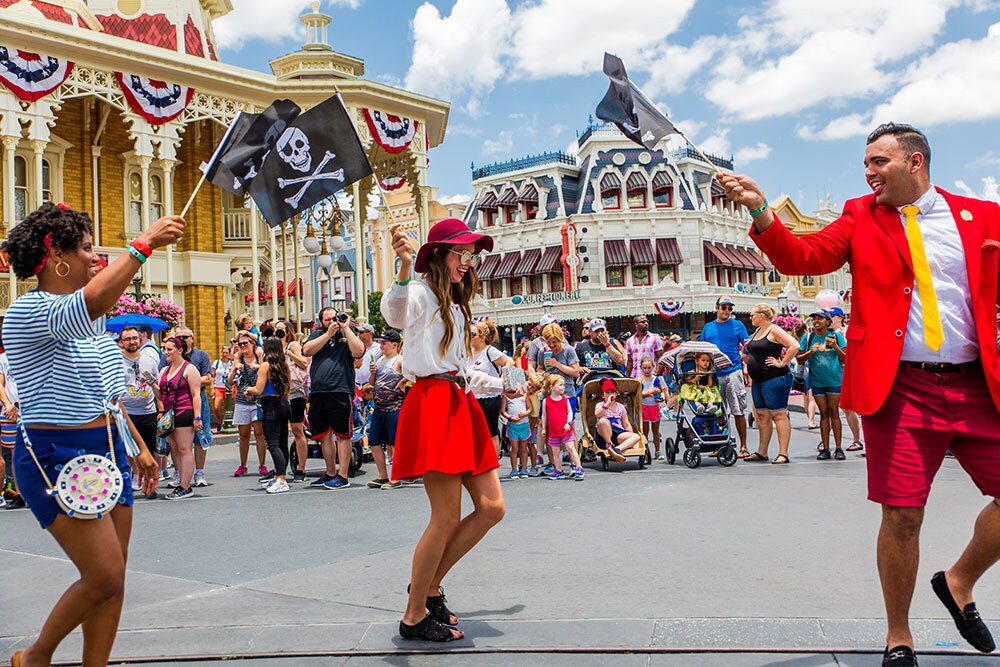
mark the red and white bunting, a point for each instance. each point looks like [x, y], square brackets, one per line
[668, 308]
[392, 182]
[393, 133]
[157, 101]
[32, 76]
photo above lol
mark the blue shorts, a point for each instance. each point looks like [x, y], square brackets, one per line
[773, 394]
[574, 403]
[383, 428]
[823, 391]
[53, 447]
[519, 432]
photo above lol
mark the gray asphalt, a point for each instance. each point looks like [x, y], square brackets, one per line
[751, 565]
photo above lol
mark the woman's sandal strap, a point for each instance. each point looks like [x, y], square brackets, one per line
[429, 629]
[437, 606]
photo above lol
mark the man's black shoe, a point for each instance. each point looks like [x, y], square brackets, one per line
[970, 625]
[901, 656]
[15, 503]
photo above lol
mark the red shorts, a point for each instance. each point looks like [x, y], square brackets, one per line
[442, 429]
[925, 415]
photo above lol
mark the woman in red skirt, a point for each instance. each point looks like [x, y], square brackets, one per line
[442, 434]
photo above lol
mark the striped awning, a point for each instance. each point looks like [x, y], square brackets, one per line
[737, 260]
[636, 181]
[668, 252]
[489, 266]
[714, 256]
[550, 260]
[662, 181]
[615, 253]
[509, 198]
[507, 265]
[489, 202]
[528, 193]
[610, 181]
[528, 263]
[755, 262]
[642, 252]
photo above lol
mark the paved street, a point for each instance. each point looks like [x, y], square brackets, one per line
[751, 565]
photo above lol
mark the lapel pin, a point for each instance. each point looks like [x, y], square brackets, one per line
[966, 215]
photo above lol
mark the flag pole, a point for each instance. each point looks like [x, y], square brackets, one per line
[698, 151]
[194, 194]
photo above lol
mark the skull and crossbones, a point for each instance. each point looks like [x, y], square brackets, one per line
[294, 149]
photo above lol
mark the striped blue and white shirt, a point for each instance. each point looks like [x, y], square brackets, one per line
[67, 369]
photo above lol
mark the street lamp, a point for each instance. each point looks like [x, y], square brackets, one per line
[337, 301]
[783, 302]
[547, 307]
[137, 284]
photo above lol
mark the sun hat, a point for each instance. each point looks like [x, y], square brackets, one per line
[450, 231]
[608, 385]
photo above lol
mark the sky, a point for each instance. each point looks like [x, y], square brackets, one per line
[789, 88]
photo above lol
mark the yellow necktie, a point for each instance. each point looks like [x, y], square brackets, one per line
[933, 332]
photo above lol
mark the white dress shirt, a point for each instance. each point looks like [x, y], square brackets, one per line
[413, 308]
[946, 258]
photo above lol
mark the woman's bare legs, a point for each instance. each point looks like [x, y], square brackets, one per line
[784, 428]
[488, 510]
[98, 549]
[764, 429]
[182, 445]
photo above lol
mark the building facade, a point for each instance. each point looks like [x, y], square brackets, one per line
[111, 106]
[616, 231]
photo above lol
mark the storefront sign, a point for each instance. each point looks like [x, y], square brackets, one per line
[763, 290]
[555, 296]
[4, 262]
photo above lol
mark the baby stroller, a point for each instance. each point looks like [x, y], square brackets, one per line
[702, 428]
[629, 395]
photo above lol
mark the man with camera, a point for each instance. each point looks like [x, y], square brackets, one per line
[333, 347]
[599, 353]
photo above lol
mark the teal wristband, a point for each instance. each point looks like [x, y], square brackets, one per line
[754, 214]
[138, 255]
[403, 283]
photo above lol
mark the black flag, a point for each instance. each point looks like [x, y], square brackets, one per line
[318, 154]
[626, 106]
[241, 153]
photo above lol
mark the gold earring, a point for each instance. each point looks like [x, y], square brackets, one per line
[60, 273]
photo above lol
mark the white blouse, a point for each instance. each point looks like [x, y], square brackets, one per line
[413, 308]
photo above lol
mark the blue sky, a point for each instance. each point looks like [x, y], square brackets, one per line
[789, 87]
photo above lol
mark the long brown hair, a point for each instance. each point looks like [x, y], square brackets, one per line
[449, 293]
[277, 363]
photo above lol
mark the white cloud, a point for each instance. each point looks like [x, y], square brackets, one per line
[988, 159]
[454, 199]
[264, 19]
[672, 66]
[750, 153]
[826, 55]
[502, 145]
[955, 83]
[569, 37]
[718, 143]
[991, 189]
[459, 53]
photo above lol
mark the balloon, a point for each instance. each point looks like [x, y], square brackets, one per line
[827, 299]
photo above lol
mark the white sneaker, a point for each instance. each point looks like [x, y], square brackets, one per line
[199, 479]
[136, 486]
[164, 475]
[175, 481]
[279, 486]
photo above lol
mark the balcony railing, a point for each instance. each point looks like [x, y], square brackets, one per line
[236, 226]
[557, 157]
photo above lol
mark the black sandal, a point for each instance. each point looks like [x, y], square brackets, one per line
[429, 630]
[438, 607]
[756, 457]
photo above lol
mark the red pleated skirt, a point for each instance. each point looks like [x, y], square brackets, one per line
[441, 429]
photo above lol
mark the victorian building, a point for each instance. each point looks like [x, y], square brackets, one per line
[616, 231]
[111, 106]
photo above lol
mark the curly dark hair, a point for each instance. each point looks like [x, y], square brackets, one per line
[25, 243]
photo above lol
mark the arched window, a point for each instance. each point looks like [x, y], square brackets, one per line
[20, 188]
[155, 197]
[46, 181]
[663, 190]
[134, 203]
[635, 188]
[611, 191]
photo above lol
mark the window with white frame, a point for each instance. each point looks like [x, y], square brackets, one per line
[20, 188]
[26, 187]
[134, 203]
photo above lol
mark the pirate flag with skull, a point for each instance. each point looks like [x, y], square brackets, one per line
[318, 154]
[627, 107]
[248, 140]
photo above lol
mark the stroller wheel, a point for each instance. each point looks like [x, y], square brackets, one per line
[642, 460]
[671, 450]
[604, 462]
[692, 457]
[649, 456]
[727, 455]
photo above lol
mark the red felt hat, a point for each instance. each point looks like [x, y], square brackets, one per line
[450, 231]
[608, 385]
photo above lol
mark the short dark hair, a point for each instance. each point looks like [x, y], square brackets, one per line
[319, 315]
[910, 138]
[128, 327]
[26, 241]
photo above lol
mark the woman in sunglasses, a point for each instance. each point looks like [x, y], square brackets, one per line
[180, 391]
[442, 432]
[246, 415]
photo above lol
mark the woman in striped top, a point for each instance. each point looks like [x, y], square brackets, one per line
[70, 376]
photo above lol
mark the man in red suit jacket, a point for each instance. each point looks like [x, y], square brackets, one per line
[921, 364]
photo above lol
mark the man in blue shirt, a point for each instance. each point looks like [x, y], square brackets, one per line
[728, 334]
